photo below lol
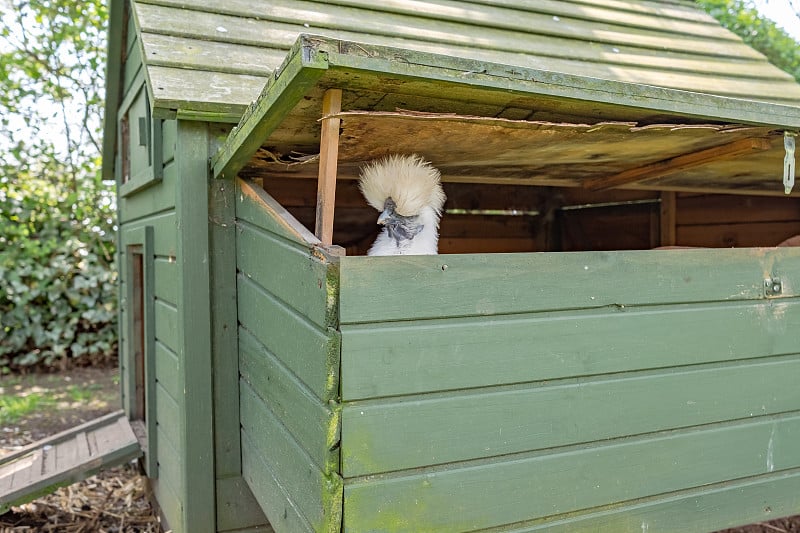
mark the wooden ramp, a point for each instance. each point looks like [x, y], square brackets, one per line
[65, 458]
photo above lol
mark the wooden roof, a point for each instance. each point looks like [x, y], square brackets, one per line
[208, 59]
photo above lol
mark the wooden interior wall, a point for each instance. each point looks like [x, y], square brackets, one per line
[558, 219]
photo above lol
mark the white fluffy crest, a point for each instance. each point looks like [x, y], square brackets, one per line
[409, 180]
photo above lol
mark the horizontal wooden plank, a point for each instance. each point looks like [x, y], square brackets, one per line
[498, 27]
[316, 496]
[309, 351]
[375, 289]
[277, 505]
[157, 198]
[166, 322]
[737, 235]
[487, 423]
[166, 279]
[167, 370]
[189, 53]
[723, 209]
[519, 488]
[170, 461]
[169, 501]
[314, 425]
[214, 96]
[710, 508]
[168, 415]
[480, 352]
[293, 274]
[65, 458]
[164, 232]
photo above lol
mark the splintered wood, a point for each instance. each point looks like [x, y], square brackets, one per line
[734, 159]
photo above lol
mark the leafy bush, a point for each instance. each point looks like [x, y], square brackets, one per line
[57, 278]
[57, 295]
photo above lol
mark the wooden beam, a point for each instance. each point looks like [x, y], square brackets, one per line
[328, 155]
[668, 219]
[678, 163]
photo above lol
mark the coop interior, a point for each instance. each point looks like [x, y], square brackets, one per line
[540, 176]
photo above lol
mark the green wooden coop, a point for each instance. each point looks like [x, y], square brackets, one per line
[548, 370]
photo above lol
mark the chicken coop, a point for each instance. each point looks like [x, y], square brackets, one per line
[607, 341]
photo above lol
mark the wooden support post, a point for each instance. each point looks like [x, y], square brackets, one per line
[668, 218]
[678, 163]
[328, 155]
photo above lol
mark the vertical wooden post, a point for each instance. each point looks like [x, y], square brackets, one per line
[328, 155]
[668, 237]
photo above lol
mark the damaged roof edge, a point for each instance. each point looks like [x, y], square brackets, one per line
[479, 74]
[311, 55]
[304, 65]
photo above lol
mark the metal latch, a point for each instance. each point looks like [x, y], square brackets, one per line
[773, 287]
[788, 161]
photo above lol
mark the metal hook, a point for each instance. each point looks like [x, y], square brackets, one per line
[788, 161]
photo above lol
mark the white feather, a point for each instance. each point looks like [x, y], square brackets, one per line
[409, 180]
[425, 243]
[415, 187]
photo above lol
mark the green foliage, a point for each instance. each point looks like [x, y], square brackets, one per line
[57, 295]
[57, 277]
[759, 32]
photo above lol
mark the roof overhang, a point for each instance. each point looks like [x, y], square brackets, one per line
[491, 123]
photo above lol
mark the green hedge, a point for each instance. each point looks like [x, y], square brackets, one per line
[57, 277]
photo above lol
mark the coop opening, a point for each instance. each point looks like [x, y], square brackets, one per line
[540, 186]
[137, 343]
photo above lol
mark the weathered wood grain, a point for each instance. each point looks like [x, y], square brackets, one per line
[66, 457]
[312, 353]
[292, 274]
[709, 508]
[312, 423]
[376, 436]
[376, 289]
[458, 354]
[519, 488]
[316, 496]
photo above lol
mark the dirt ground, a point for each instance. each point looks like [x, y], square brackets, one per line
[114, 501]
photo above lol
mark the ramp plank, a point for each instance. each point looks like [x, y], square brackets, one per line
[65, 458]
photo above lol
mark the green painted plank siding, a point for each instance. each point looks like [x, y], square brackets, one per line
[170, 462]
[164, 232]
[289, 272]
[710, 508]
[312, 423]
[308, 351]
[169, 502]
[449, 354]
[451, 285]
[167, 371]
[521, 488]
[168, 411]
[316, 496]
[576, 389]
[166, 279]
[487, 423]
[166, 321]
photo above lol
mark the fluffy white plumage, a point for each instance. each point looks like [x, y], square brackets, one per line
[407, 190]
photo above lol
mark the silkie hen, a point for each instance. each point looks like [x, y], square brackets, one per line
[408, 193]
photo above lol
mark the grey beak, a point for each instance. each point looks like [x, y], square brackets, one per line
[388, 213]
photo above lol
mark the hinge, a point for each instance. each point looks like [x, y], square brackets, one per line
[788, 161]
[772, 287]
